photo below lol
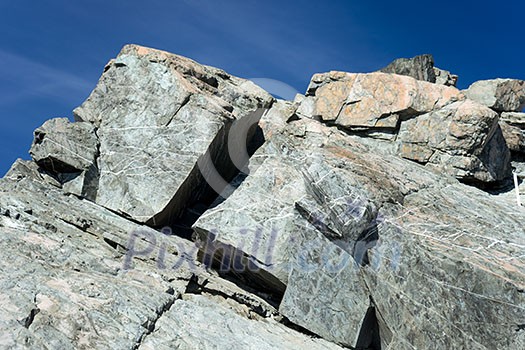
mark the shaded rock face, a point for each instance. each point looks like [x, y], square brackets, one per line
[346, 228]
[421, 68]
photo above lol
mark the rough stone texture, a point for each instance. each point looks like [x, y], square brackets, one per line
[462, 139]
[65, 285]
[64, 147]
[514, 137]
[421, 68]
[502, 95]
[330, 231]
[513, 118]
[414, 274]
[444, 77]
[376, 100]
[158, 115]
[430, 124]
[214, 324]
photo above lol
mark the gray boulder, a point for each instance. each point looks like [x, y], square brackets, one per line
[60, 146]
[418, 67]
[347, 227]
[375, 286]
[502, 95]
[162, 117]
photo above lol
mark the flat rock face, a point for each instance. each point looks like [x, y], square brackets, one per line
[502, 95]
[375, 100]
[61, 146]
[157, 115]
[351, 225]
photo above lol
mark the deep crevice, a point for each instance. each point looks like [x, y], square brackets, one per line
[235, 266]
[28, 321]
[150, 325]
[194, 287]
[206, 197]
[369, 336]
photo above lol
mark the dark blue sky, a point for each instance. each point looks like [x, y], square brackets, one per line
[53, 52]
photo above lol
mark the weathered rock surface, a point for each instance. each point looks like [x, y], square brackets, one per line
[323, 283]
[158, 115]
[430, 124]
[66, 281]
[514, 137]
[60, 146]
[463, 139]
[514, 118]
[375, 100]
[502, 95]
[421, 68]
[348, 227]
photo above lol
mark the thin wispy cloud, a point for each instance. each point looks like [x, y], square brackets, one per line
[21, 77]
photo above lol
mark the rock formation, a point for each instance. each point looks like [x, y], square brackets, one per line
[186, 208]
[421, 68]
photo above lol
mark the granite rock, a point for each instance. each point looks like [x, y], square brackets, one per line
[502, 95]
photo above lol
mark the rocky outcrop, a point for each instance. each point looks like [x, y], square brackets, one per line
[339, 249]
[341, 224]
[157, 116]
[421, 68]
[502, 95]
[427, 123]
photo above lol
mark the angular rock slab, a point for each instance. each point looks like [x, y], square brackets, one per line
[160, 115]
[196, 322]
[325, 293]
[60, 146]
[445, 277]
[374, 100]
[502, 95]
[463, 139]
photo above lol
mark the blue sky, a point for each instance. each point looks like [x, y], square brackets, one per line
[53, 52]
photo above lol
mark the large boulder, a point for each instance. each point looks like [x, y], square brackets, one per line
[60, 146]
[168, 119]
[374, 100]
[502, 95]
[76, 275]
[348, 223]
[462, 139]
[421, 68]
